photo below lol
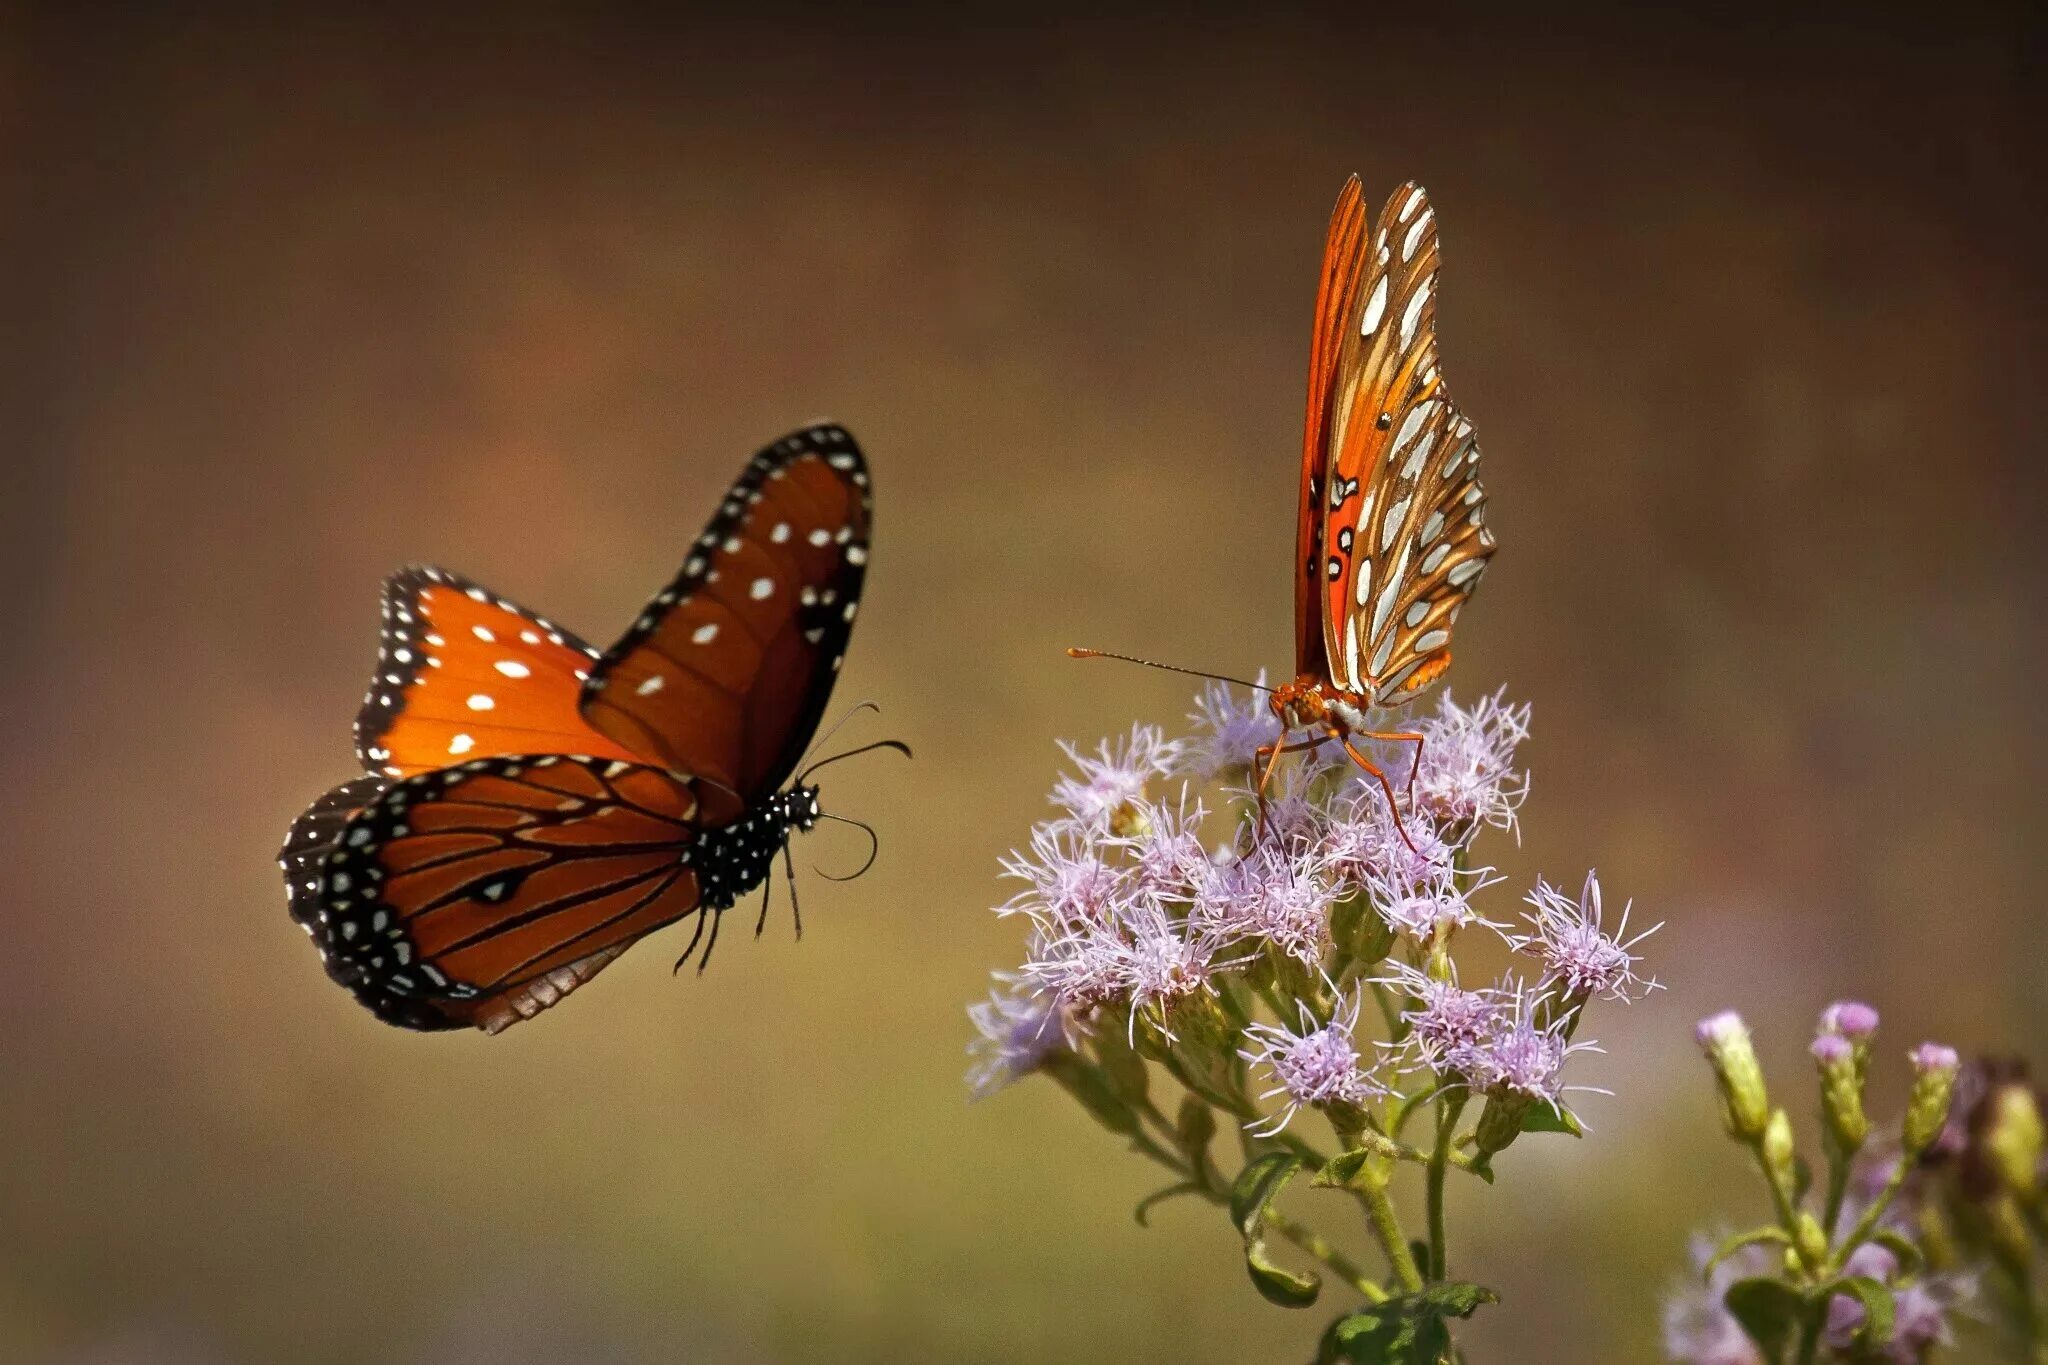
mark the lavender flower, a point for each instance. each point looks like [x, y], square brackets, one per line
[1427, 909]
[1167, 853]
[1366, 846]
[1315, 1065]
[1230, 726]
[1465, 775]
[1068, 882]
[1447, 1024]
[1017, 1031]
[1114, 780]
[1524, 1058]
[1576, 949]
[1277, 896]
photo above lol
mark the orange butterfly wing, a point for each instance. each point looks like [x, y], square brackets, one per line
[1336, 297]
[481, 895]
[463, 673]
[1402, 540]
[727, 670]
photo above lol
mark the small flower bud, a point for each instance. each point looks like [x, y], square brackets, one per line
[1841, 1092]
[1500, 1123]
[1780, 1153]
[1934, 1081]
[1810, 1240]
[2013, 1139]
[1745, 1105]
[1851, 1019]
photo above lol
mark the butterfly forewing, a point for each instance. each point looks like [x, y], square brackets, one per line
[463, 673]
[1401, 542]
[483, 894]
[1336, 297]
[726, 671]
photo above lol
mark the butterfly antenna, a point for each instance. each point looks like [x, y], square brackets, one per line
[837, 726]
[1077, 653]
[896, 744]
[874, 848]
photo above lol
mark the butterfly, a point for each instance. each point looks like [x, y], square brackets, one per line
[1391, 536]
[532, 807]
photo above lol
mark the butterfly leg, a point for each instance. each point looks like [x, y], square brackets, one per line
[789, 866]
[767, 895]
[701, 913]
[717, 916]
[1403, 736]
[1362, 761]
[1270, 754]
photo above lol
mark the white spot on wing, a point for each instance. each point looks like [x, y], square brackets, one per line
[705, 634]
[480, 701]
[1374, 307]
[512, 668]
[461, 744]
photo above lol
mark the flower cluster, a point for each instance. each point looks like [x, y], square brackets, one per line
[1180, 916]
[1849, 1276]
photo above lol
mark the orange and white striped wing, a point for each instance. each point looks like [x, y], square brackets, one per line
[1403, 541]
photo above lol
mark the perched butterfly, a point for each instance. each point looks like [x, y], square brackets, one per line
[1391, 538]
[533, 807]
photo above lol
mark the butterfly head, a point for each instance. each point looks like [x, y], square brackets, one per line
[1300, 704]
[800, 808]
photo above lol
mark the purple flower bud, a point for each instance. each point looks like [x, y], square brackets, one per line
[1934, 1081]
[1852, 1019]
[1832, 1049]
[1720, 1028]
[1929, 1057]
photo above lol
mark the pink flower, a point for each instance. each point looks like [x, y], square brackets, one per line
[1017, 1030]
[1116, 776]
[1577, 951]
[1231, 724]
[1466, 774]
[1312, 1065]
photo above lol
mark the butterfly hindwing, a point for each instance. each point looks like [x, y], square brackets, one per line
[1401, 543]
[463, 673]
[727, 670]
[482, 894]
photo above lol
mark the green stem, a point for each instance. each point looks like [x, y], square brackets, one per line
[1809, 1338]
[1386, 1229]
[1867, 1224]
[1448, 1109]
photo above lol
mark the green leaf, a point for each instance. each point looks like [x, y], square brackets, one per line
[1409, 1330]
[1769, 1311]
[1903, 1248]
[1197, 1127]
[1262, 1178]
[1541, 1118]
[1157, 1197]
[1772, 1234]
[1341, 1169]
[1282, 1287]
[1878, 1309]
[1255, 1186]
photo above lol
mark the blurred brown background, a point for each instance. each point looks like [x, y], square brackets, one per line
[1746, 311]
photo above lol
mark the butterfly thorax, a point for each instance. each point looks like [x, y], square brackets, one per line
[732, 860]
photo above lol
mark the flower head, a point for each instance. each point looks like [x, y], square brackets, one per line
[1465, 774]
[1278, 895]
[1447, 1024]
[1523, 1056]
[1111, 782]
[1426, 909]
[1578, 953]
[1231, 723]
[1167, 853]
[1850, 1019]
[1314, 1064]
[1017, 1030]
[1068, 881]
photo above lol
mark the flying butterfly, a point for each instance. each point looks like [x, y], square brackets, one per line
[533, 807]
[1391, 537]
